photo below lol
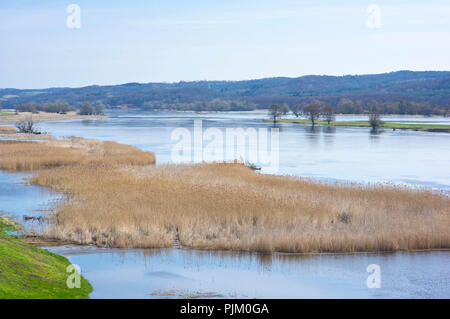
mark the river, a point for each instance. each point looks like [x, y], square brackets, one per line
[338, 154]
[325, 153]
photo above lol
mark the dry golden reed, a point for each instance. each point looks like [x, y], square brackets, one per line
[7, 129]
[126, 203]
[29, 156]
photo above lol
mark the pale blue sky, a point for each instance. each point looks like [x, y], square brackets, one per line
[169, 41]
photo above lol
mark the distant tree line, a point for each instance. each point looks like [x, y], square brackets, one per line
[340, 106]
[313, 111]
[58, 107]
[86, 108]
[316, 110]
[212, 105]
[402, 107]
[348, 106]
[89, 109]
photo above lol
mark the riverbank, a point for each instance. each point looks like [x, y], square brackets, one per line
[118, 198]
[181, 273]
[425, 127]
[11, 133]
[10, 118]
[27, 272]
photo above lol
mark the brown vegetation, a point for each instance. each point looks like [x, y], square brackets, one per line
[29, 156]
[7, 129]
[45, 116]
[117, 203]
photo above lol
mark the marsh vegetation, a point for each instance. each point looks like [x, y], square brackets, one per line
[116, 197]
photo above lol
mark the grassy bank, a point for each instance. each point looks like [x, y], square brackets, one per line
[416, 126]
[129, 203]
[7, 112]
[29, 272]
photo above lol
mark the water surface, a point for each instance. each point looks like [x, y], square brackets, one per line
[177, 273]
[324, 153]
[342, 154]
[19, 199]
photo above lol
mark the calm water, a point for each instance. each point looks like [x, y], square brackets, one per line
[17, 199]
[172, 273]
[343, 154]
[325, 153]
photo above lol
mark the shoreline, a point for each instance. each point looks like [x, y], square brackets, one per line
[32, 272]
[46, 117]
[38, 241]
[393, 125]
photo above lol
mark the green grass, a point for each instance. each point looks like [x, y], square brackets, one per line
[386, 124]
[7, 112]
[28, 272]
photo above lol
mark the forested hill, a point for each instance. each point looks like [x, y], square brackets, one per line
[431, 87]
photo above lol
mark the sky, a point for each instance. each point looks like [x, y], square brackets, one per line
[170, 41]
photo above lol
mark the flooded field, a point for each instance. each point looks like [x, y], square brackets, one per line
[336, 154]
[325, 153]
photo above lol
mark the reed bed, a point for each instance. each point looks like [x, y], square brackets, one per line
[126, 203]
[29, 156]
[7, 129]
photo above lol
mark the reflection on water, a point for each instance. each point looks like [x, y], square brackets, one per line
[18, 199]
[329, 129]
[328, 135]
[172, 273]
[375, 135]
[321, 152]
[312, 134]
[168, 273]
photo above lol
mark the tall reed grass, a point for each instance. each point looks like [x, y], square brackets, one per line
[7, 129]
[126, 203]
[29, 156]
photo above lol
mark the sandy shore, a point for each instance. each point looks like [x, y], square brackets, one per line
[44, 117]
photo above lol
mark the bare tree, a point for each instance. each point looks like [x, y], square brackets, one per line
[447, 111]
[329, 113]
[285, 109]
[375, 120]
[297, 109]
[312, 111]
[275, 112]
[27, 125]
